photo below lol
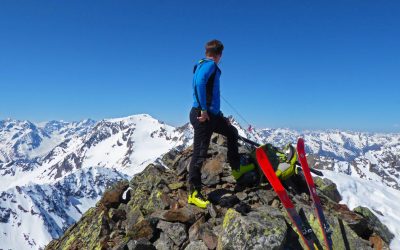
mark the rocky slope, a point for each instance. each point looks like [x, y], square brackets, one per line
[151, 212]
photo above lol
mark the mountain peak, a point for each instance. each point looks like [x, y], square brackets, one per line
[132, 118]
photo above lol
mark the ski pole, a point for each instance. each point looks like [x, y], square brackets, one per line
[249, 141]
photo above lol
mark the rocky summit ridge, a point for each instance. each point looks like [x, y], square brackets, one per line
[151, 212]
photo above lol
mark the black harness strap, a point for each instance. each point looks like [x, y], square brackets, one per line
[209, 86]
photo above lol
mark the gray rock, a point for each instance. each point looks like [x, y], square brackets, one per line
[228, 179]
[142, 229]
[211, 210]
[264, 228]
[183, 166]
[266, 196]
[375, 224]
[208, 237]
[241, 195]
[175, 231]
[210, 173]
[194, 230]
[328, 188]
[164, 243]
[196, 245]
[184, 215]
[132, 217]
[140, 244]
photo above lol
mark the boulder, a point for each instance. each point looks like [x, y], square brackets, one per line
[164, 243]
[375, 224]
[140, 244]
[113, 197]
[194, 230]
[116, 214]
[175, 231]
[142, 229]
[328, 188]
[210, 173]
[196, 245]
[264, 228]
[132, 217]
[184, 215]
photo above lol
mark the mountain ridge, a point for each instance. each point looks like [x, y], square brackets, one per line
[127, 145]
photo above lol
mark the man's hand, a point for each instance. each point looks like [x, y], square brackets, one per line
[203, 117]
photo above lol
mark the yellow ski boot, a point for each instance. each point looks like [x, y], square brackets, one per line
[237, 173]
[197, 199]
[246, 165]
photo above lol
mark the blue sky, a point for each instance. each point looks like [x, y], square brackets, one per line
[297, 64]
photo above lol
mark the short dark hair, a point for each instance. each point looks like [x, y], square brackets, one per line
[214, 48]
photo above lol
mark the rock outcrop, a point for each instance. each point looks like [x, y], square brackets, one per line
[151, 212]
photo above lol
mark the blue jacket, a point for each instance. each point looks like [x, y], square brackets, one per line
[204, 70]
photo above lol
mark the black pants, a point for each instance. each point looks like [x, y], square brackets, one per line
[202, 136]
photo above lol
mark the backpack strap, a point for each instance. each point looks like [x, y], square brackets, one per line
[209, 84]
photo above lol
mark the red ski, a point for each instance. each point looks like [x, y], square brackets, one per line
[269, 172]
[313, 193]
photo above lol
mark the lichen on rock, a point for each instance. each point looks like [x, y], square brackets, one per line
[262, 228]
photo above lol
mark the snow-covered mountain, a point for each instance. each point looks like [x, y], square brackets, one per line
[34, 214]
[126, 144]
[383, 201]
[373, 156]
[20, 140]
[53, 172]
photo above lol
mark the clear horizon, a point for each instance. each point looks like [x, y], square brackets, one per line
[244, 125]
[286, 64]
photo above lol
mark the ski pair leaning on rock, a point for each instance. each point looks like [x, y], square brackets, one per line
[264, 161]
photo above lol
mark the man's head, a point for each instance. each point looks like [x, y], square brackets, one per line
[214, 50]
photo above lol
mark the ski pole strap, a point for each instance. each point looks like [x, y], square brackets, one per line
[312, 170]
[249, 141]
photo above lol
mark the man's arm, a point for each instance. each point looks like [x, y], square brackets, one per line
[202, 76]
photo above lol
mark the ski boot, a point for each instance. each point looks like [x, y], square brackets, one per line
[197, 199]
[246, 165]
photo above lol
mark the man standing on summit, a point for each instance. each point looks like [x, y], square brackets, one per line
[206, 118]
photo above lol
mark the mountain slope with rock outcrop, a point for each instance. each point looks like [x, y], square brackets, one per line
[52, 172]
[54, 165]
[151, 212]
